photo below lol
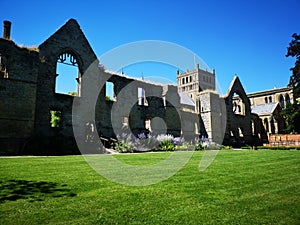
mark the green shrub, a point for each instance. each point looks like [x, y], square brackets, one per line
[199, 147]
[246, 147]
[123, 146]
[166, 145]
[279, 147]
[225, 147]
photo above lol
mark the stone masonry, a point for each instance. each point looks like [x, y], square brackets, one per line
[29, 97]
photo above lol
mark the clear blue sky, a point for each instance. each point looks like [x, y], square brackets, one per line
[248, 38]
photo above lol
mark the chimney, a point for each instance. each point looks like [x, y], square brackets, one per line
[6, 30]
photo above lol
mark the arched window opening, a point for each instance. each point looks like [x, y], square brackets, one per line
[240, 132]
[109, 92]
[272, 125]
[142, 97]
[266, 100]
[68, 75]
[148, 125]
[182, 80]
[270, 99]
[287, 99]
[125, 122]
[164, 101]
[266, 125]
[238, 106]
[3, 66]
[281, 101]
[253, 128]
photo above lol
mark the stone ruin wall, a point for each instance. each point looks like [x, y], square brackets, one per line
[28, 94]
[18, 93]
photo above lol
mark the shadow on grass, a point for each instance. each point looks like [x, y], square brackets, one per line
[12, 190]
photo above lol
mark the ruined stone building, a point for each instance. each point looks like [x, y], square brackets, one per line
[267, 106]
[31, 101]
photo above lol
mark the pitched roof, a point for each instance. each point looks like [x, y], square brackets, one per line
[264, 109]
[185, 99]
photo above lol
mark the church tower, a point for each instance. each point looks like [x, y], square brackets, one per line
[195, 81]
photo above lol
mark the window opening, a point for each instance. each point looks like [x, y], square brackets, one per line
[238, 106]
[281, 101]
[125, 121]
[240, 132]
[266, 125]
[148, 125]
[67, 71]
[253, 127]
[3, 63]
[109, 92]
[272, 126]
[142, 97]
[55, 118]
[287, 99]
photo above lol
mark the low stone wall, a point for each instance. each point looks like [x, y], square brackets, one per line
[284, 140]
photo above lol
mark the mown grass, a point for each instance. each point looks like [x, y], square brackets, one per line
[239, 187]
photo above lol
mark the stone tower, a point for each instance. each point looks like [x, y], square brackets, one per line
[195, 81]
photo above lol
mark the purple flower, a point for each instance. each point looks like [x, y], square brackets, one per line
[142, 136]
[177, 140]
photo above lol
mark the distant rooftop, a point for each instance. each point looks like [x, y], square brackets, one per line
[186, 99]
[264, 109]
[270, 91]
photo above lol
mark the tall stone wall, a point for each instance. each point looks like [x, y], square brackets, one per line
[18, 96]
[28, 95]
[238, 126]
[68, 39]
[213, 114]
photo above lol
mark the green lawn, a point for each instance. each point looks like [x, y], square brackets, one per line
[239, 187]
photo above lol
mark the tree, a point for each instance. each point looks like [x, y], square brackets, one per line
[292, 112]
[294, 51]
[72, 93]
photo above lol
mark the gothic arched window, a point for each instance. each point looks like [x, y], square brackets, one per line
[67, 74]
